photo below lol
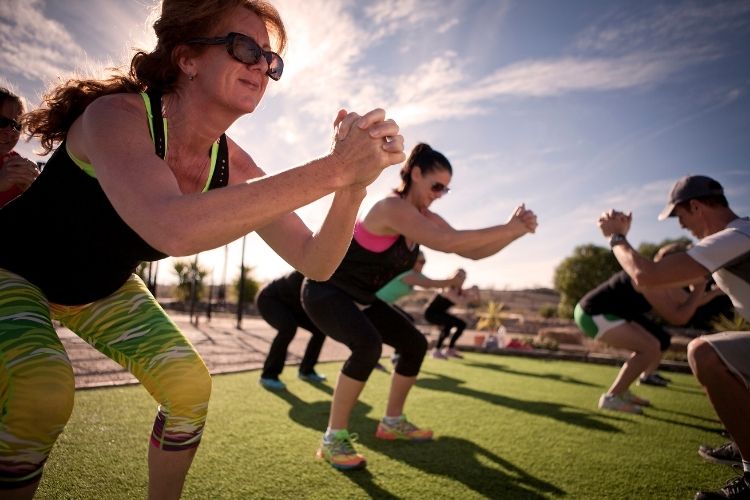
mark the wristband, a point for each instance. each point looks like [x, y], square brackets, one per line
[616, 239]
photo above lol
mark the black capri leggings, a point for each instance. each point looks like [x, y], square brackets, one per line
[364, 331]
[437, 314]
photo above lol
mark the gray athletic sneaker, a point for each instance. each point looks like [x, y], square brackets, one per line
[617, 403]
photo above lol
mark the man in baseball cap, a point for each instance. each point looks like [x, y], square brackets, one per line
[720, 362]
[688, 188]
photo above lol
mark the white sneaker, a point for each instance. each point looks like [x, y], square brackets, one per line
[617, 403]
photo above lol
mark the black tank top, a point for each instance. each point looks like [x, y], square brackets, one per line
[616, 296]
[364, 272]
[63, 235]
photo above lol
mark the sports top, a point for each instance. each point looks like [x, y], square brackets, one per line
[364, 271]
[727, 255]
[396, 288]
[616, 296]
[64, 236]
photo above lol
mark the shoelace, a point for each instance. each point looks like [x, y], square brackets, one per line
[405, 426]
[736, 486]
[344, 445]
[726, 450]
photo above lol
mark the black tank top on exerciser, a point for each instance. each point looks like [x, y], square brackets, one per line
[364, 272]
[63, 235]
[616, 296]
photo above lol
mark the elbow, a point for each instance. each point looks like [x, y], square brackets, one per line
[319, 275]
[172, 242]
[679, 319]
[319, 272]
[470, 255]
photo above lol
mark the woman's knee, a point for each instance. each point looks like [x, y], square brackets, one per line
[367, 351]
[35, 412]
[185, 389]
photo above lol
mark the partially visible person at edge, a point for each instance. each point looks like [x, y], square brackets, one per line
[121, 189]
[615, 313]
[451, 326]
[721, 361]
[385, 244]
[16, 172]
[403, 284]
[279, 304]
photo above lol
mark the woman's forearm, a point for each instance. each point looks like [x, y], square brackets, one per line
[325, 249]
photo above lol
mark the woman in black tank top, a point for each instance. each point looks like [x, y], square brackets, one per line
[346, 308]
[120, 190]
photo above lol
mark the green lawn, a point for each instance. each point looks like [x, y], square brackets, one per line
[505, 427]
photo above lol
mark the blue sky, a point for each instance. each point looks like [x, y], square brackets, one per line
[570, 107]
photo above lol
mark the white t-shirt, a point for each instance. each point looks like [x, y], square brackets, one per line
[726, 254]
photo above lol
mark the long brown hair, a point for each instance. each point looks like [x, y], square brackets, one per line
[180, 20]
[427, 159]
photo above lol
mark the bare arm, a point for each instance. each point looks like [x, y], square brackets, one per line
[397, 216]
[417, 279]
[676, 305]
[158, 211]
[316, 255]
[673, 270]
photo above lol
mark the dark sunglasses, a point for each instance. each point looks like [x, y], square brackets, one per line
[439, 187]
[7, 122]
[247, 51]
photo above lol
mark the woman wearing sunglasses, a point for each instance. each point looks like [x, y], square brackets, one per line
[16, 173]
[144, 170]
[385, 244]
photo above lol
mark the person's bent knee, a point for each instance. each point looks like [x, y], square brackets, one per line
[411, 357]
[182, 414]
[703, 358]
[30, 430]
[416, 347]
[365, 356]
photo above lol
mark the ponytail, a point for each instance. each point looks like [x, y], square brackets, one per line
[427, 159]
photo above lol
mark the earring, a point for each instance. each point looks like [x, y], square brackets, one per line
[191, 77]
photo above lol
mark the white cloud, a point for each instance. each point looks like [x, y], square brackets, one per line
[34, 46]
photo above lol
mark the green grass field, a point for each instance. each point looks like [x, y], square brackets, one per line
[505, 427]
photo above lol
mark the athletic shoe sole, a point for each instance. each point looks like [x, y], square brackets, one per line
[358, 466]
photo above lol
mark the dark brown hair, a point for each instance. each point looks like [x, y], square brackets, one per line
[427, 159]
[7, 95]
[714, 200]
[180, 20]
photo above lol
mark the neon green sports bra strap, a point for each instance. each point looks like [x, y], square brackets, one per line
[214, 152]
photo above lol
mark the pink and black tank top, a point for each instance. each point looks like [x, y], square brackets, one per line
[371, 262]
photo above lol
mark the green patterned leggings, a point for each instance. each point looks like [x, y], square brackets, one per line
[36, 378]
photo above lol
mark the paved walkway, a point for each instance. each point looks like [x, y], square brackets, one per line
[226, 349]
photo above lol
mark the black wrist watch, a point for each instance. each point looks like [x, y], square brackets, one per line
[616, 239]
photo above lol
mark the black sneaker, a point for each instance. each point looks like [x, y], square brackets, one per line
[726, 454]
[653, 379]
[736, 489]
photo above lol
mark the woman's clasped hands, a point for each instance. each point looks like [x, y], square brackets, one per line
[365, 145]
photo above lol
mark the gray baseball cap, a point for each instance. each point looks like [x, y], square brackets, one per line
[688, 188]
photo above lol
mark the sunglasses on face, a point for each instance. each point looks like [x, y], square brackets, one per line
[7, 122]
[247, 51]
[439, 187]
